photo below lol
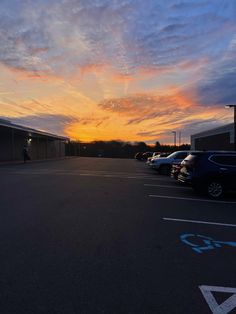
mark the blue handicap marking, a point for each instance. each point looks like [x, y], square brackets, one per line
[206, 243]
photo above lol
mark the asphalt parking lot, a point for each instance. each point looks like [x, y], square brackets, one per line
[96, 235]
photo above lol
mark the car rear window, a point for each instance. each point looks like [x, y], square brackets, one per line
[224, 159]
[181, 155]
[192, 157]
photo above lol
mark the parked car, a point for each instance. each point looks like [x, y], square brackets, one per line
[163, 154]
[138, 156]
[163, 164]
[146, 155]
[154, 155]
[175, 170]
[211, 172]
[143, 156]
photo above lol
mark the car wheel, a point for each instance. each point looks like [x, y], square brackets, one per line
[165, 169]
[215, 189]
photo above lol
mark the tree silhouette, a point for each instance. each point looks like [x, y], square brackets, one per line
[117, 149]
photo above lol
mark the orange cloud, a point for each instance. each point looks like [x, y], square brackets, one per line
[91, 68]
[22, 74]
[143, 116]
[147, 117]
[122, 78]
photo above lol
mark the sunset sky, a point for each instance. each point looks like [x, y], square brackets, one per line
[132, 70]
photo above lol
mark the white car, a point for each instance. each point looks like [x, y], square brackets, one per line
[155, 154]
[163, 164]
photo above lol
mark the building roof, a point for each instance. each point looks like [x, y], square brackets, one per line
[221, 129]
[9, 124]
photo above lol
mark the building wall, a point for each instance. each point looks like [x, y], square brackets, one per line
[221, 138]
[6, 152]
[41, 147]
[214, 142]
[18, 144]
[38, 148]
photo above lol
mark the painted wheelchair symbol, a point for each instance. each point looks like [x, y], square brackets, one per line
[200, 243]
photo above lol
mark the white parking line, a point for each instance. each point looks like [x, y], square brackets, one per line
[168, 186]
[121, 176]
[225, 307]
[191, 199]
[103, 172]
[70, 173]
[199, 222]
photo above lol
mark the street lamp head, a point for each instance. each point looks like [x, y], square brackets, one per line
[230, 106]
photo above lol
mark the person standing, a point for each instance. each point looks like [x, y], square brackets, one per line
[26, 153]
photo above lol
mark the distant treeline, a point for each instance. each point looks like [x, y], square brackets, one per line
[117, 149]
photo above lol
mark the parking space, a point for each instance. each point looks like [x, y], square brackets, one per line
[203, 234]
[205, 261]
[94, 235]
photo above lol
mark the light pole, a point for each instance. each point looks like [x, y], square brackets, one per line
[179, 138]
[233, 106]
[174, 132]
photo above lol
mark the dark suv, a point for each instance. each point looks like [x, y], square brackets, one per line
[210, 172]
